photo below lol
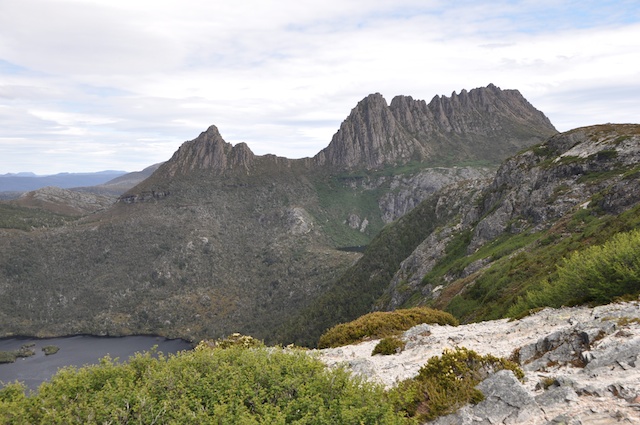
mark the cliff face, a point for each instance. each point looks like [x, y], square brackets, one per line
[542, 185]
[485, 124]
[371, 137]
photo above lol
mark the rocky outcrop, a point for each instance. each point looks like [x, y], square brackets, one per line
[581, 365]
[407, 191]
[65, 201]
[370, 138]
[506, 402]
[208, 152]
[530, 192]
[541, 185]
[485, 124]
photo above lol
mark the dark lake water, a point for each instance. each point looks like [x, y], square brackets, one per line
[76, 351]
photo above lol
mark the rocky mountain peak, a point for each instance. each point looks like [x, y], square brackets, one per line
[208, 152]
[485, 123]
[370, 137]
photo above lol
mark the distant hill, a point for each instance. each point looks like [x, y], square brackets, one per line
[64, 201]
[24, 182]
[120, 184]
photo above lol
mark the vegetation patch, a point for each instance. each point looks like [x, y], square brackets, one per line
[522, 263]
[235, 385]
[11, 356]
[597, 274]
[234, 340]
[341, 196]
[448, 382]
[604, 155]
[382, 324]
[626, 321]
[389, 345]
[27, 219]
[7, 357]
[50, 349]
[542, 150]
[548, 382]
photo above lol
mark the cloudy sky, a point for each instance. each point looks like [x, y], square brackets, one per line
[89, 85]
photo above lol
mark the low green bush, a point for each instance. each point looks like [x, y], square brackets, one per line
[382, 324]
[447, 383]
[234, 385]
[389, 345]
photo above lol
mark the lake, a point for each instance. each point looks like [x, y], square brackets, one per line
[76, 350]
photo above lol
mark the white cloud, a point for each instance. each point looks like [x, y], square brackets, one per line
[126, 82]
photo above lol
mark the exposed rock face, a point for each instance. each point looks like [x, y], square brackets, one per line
[581, 365]
[506, 402]
[483, 124]
[371, 137]
[542, 185]
[208, 152]
[299, 220]
[65, 201]
[408, 191]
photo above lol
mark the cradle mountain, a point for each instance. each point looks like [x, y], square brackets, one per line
[219, 240]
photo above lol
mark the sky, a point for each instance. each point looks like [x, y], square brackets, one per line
[91, 85]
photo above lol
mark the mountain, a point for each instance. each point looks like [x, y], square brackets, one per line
[485, 124]
[218, 239]
[477, 250]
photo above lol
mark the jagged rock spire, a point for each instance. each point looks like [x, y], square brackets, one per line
[209, 152]
[483, 124]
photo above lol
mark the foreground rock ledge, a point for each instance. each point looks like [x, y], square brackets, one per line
[582, 365]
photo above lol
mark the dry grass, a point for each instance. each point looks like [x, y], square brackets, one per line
[382, 324]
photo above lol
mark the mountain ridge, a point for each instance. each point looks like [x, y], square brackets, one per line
[220, 240]
[376, 134]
